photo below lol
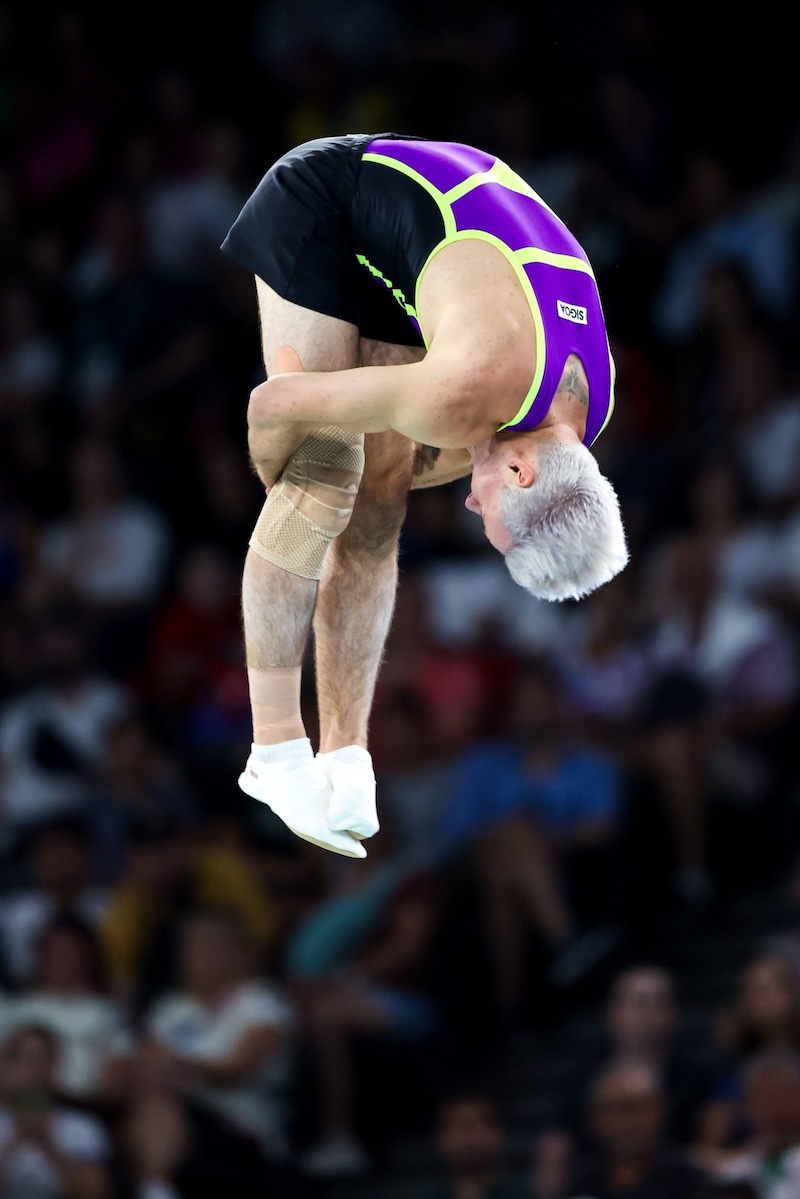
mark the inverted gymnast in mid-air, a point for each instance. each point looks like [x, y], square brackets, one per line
[412, 294]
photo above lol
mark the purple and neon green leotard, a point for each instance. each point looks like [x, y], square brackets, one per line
[348, 225]
[478, 196]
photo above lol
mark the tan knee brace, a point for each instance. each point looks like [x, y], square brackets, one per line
[311, 503]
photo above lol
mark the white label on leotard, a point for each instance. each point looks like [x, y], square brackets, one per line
[571, 312]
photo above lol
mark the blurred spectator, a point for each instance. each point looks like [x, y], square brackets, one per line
[764, 1016]
[189, 216]
[47, 1150]
[52, 736]
[55, 145]
[765, 409]
[30, 357]
[641, 1026]
[196, 639]
[449, 679]
[537, 815]
[112, 549]
[772, 1102]
[66, 997]
[473, 600]
[174, 115]
[470, 1143]
[139, 782]
[58, 885]
[415, 781]
[725, 688]
[719, 227]
[608, 672]
[170, 872]
[109, 553]
[289, 42]
[627, 1106]
[359, 965]
[209, 1112]
[744, 541]
[139, 339]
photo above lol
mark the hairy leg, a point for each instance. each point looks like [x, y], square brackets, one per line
[277, 606]
[359, 580]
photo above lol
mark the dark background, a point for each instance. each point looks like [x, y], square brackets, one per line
[651, 730]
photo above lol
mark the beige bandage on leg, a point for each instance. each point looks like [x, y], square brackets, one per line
[311, 503]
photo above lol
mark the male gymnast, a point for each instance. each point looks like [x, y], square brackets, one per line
[412, 294]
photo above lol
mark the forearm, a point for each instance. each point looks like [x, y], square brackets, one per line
[358, 399]
[409, 398]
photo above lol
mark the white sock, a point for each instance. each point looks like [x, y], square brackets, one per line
[352, 804]
[350, 753]
[157, 1190]
[284, 753]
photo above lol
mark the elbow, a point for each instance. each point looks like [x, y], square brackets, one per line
[258, 406]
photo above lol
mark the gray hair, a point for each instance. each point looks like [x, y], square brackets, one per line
[567, 529]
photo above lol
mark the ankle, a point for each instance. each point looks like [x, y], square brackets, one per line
[297, 749]
[268, 733]
[331, 743]
[355, 755]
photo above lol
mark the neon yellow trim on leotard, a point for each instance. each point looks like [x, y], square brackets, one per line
[611, 395]
[569, 262]
[500, 173]
[444, 208]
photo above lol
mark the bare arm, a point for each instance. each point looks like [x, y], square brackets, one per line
[414, 398]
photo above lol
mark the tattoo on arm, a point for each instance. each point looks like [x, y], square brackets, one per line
[425, 458]
[573, 382]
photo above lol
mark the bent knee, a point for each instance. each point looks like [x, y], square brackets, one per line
[374, 528]
[380, 506]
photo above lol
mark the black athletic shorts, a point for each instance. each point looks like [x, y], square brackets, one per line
[296, 233]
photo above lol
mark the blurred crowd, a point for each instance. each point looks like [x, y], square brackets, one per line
[192, 1001]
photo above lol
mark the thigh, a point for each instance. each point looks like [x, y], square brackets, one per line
[380, 506]
[389, 456]
[323, 343]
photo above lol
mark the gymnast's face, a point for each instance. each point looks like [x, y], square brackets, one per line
[495, 465]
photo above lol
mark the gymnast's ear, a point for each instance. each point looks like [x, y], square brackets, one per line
[287, 361]
[523, 470]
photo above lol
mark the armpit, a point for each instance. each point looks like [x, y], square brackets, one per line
[434, 467]
[425, 459]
